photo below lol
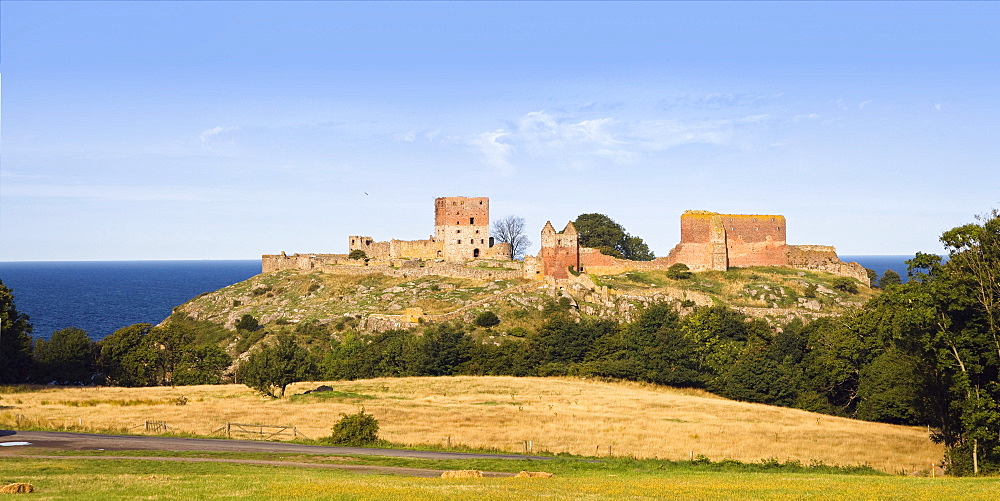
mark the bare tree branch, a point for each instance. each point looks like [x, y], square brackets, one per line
[510, 229]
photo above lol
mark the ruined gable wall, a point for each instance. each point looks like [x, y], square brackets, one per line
[462, 225]
[560, 251]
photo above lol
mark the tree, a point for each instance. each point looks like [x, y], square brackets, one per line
[201, 365]
[247, 323]
[889, 279]
[273, 368]
[511, 230]
[945, 319]
[845, 284]
[872, 276]
[68, 357]
[126, 357]
[487, 319]
[15, 340]
[604, 234]
[357, 254]
[169, 344]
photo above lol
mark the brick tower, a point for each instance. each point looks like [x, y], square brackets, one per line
[462, 225]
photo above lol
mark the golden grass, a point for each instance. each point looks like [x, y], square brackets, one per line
[578, 416]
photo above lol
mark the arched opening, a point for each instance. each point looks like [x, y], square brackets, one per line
[475, 252]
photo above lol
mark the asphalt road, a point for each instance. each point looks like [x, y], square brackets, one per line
[89, 441]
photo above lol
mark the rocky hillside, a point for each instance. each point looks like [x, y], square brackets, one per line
[374, 302]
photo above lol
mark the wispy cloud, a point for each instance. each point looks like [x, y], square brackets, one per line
[494, 150]
[566, 141]
[207, 135]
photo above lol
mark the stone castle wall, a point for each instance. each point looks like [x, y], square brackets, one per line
[709, 241]
[397, 249]
[712, 241]
[339, 264]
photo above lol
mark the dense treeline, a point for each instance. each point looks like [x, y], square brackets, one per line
[137, 355]
[926, 352]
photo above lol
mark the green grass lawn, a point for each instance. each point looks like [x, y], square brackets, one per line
[619, 479]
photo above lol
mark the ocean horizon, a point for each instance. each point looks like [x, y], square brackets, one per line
[101, 297]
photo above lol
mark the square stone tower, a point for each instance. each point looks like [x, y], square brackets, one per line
[462, 225]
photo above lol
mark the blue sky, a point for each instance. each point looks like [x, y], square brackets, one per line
[225, 130]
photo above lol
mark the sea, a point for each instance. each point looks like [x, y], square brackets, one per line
[101, 297]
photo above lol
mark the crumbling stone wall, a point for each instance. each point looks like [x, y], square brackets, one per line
[824, 258]
[396, 249]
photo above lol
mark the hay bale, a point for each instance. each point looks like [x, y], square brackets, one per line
[17, 488]
[534, 474]
[462, 474]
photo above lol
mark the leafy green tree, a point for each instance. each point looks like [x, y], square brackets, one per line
[169, 344]
[357, 254]
[445, 348]
[487, 319]
[889, 278]
[126, 358]
[15, 340]
[68, 357]
[889, 389]
[945, 318]
[201, 365]
[652, 348]
[604, 234]
[247, 323]
[845, 284]
[273, 368]
[872, 276]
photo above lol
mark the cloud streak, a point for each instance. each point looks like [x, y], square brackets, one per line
[552, 139]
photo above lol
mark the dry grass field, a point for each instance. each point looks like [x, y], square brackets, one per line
[555, 414]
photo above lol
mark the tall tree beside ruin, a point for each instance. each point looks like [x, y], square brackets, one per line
[511, 230]
[946, 319]
[604, 234]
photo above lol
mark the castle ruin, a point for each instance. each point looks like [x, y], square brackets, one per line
[461, 233]
[709, 241]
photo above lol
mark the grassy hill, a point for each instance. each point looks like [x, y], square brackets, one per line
[291, 297]
[577, 416]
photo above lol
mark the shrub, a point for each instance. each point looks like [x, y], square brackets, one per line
[355, 430]
[357, 254]
[811, 290]
[679, 271]
[487, 319]
[845, 284]
[247, 323]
